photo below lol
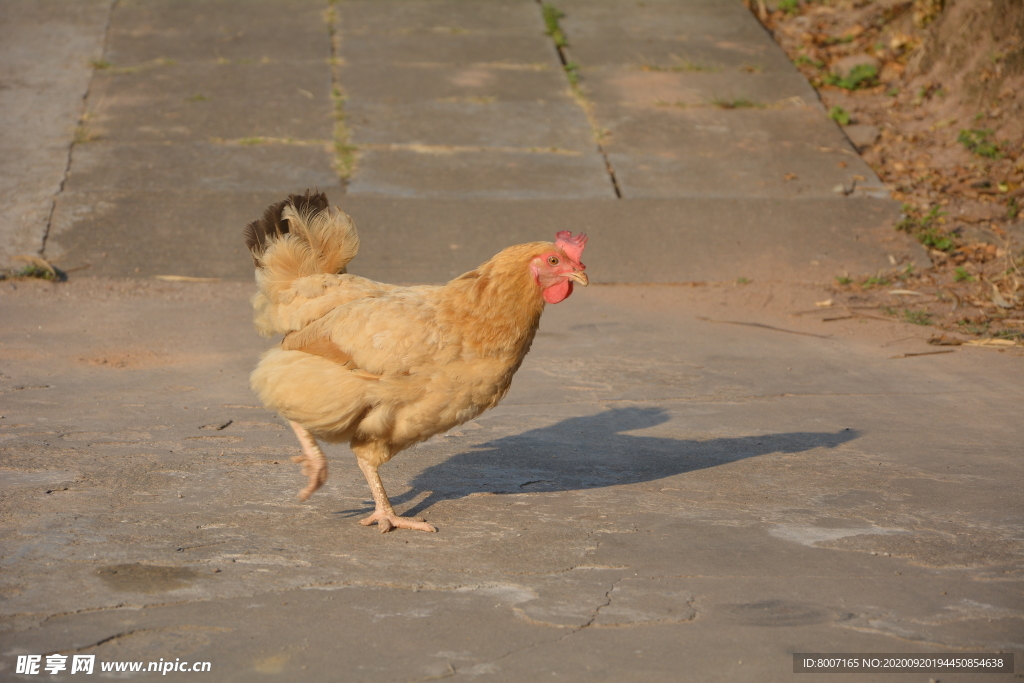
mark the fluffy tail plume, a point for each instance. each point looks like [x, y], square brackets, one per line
[296, 238]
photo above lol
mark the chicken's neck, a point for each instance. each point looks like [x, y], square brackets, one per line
[497, 307]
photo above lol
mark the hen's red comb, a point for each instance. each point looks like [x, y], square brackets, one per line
[572, 246]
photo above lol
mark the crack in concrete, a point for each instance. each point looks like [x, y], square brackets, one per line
[607, 601]
[571, 70]
[81, 121]
[164, 629]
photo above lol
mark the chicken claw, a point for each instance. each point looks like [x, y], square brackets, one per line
[388, 521]
[314, 464]
[384, 515]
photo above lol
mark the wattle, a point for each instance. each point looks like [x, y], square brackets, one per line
[559, 292]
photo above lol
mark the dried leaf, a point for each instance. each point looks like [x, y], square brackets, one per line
[990, 342]
[998, 299]
[186, 278]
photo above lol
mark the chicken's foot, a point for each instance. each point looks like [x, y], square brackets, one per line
[384, 516]
[314, 464]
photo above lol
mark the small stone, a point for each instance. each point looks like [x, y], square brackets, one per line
[862, 135]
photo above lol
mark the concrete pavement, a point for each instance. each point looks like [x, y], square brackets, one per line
[663, 495]
[660, 496]
[462, 120]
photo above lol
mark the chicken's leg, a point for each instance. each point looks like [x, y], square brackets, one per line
[314, 464]
[384, 516]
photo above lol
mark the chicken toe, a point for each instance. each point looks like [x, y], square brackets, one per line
[314, 464]
[386, 521]
[384, 515]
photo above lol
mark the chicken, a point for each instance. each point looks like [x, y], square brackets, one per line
[383, 367]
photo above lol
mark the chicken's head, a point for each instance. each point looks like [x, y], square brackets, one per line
[556, 270]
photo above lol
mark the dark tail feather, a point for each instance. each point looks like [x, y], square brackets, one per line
[260, 233]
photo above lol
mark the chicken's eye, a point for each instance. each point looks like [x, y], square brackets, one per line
[553, 260]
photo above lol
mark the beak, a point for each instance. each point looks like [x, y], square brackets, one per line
[580, 277]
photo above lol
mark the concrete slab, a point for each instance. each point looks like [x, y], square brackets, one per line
[196, 102]
[622, 516]
[216, 30]
[425, 80]
[632, 241]
[200, 166]
[784, 153]
[41, 100]
[710, 35]
[387, 83]
[696, 99]
[633, 86]
[184, 141]
[410, 239]
[481, 173]
[541, 125]
[396, 31]
[141, 234]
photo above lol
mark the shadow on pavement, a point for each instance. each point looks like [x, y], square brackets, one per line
[593, 452]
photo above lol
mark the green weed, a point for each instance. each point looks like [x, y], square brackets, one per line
[789, 6]
[839, 115]
[917, 317]
[860, 76]
[961, 275]
[924, 228]
[977, 140]
[738, 103]
[804, 60]
[843, 280]
[551, 16]
[572, 72]
[345, 153]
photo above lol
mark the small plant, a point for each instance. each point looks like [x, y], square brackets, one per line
[843, 280]
[961, 275]
[1012, 208]
[345, 153]
[935, 240]
[789, 6]
[687, 65]
[804, 60]
[572, 72]
[977, 140]
[551, 16]
[839, 115]
[860, 76]
[917, 317]
[892, 92]
[84, 134]
[906, 273]
[924, 228]
[876, 281]
[742, 281]
[99, 64]
[738, 103]
[197, 98]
